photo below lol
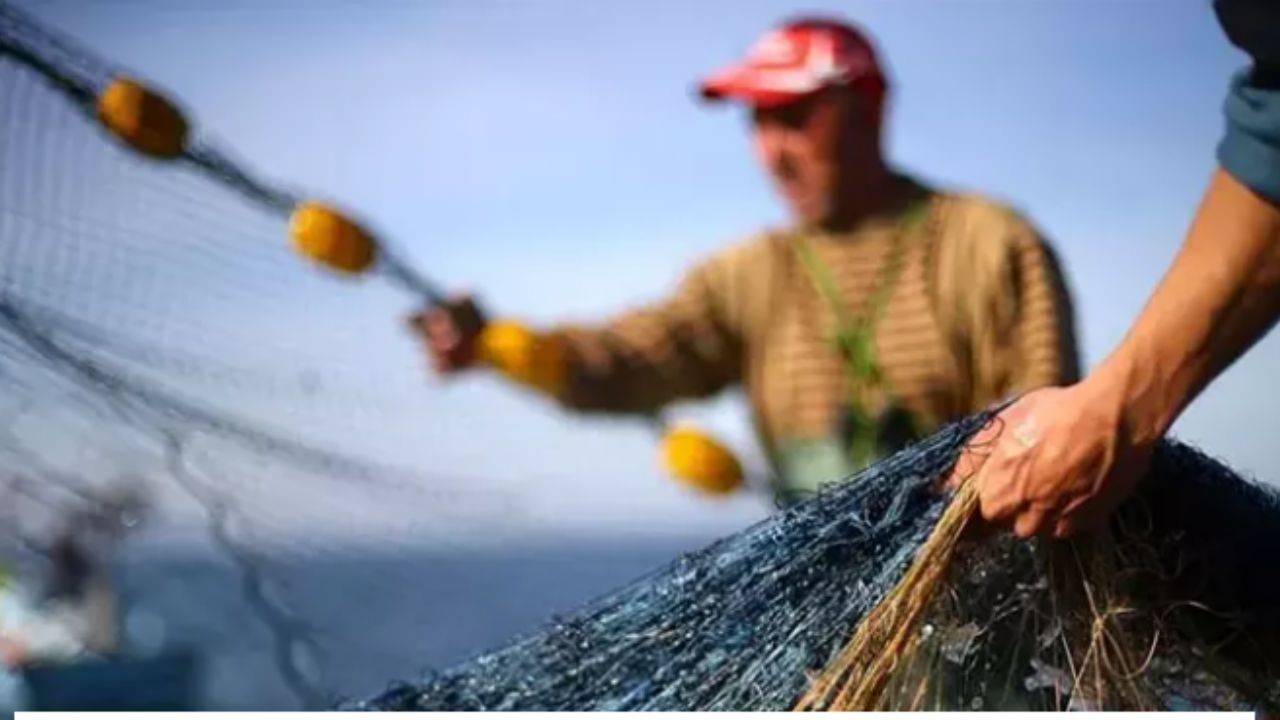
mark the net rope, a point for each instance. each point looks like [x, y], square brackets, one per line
[153, 322]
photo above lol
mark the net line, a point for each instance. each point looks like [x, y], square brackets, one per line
[101, 271]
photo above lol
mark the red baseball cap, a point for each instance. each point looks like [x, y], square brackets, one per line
[796, 60]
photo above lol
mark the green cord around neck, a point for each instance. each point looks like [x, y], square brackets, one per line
[854, 335]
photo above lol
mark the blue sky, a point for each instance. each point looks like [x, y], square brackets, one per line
[550, 155]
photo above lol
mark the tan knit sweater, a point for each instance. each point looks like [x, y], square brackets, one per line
[978, 312]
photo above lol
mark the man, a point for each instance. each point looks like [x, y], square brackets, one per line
[1069, 456]
[886, 309]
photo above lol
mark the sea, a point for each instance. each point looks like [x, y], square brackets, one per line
[369, 618]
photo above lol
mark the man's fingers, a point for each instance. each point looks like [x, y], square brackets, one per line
[1001, 482]
[448, 332]
[989, 440]
[996, 504]
[968, 465]
[430, 324]
[416, 321]
[1065, 527]
[437, 320]
[975, 454]
[1030, 522]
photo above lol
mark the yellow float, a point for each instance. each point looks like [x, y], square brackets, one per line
[527, 357]
[331, 238]
[142, 118]
[700, 462]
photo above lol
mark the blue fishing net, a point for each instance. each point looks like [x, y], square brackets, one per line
[745, 624]
[735, 626]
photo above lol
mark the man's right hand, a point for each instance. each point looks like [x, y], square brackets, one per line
[1058, 460]
[450, 332]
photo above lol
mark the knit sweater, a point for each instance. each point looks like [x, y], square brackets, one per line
[977, 312]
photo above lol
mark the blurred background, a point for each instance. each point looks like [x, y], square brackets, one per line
[551, 157]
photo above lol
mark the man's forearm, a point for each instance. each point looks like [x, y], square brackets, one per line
[1075, 453]
[1220, 296]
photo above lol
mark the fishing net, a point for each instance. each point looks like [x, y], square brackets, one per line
[141, 309]
[1167, 609]
[159, 340]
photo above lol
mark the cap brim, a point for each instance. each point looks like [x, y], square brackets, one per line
[748, 85]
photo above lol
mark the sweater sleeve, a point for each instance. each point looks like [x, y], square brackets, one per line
[684, 346]
[1250, 147]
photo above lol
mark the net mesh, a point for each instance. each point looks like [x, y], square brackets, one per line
[159, 337]
[1165, 610]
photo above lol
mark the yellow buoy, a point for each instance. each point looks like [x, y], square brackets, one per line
[143, 119]
[699, 461]
[527, 357]
[331, 239]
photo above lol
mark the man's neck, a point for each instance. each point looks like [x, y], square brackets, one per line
[883, 192]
